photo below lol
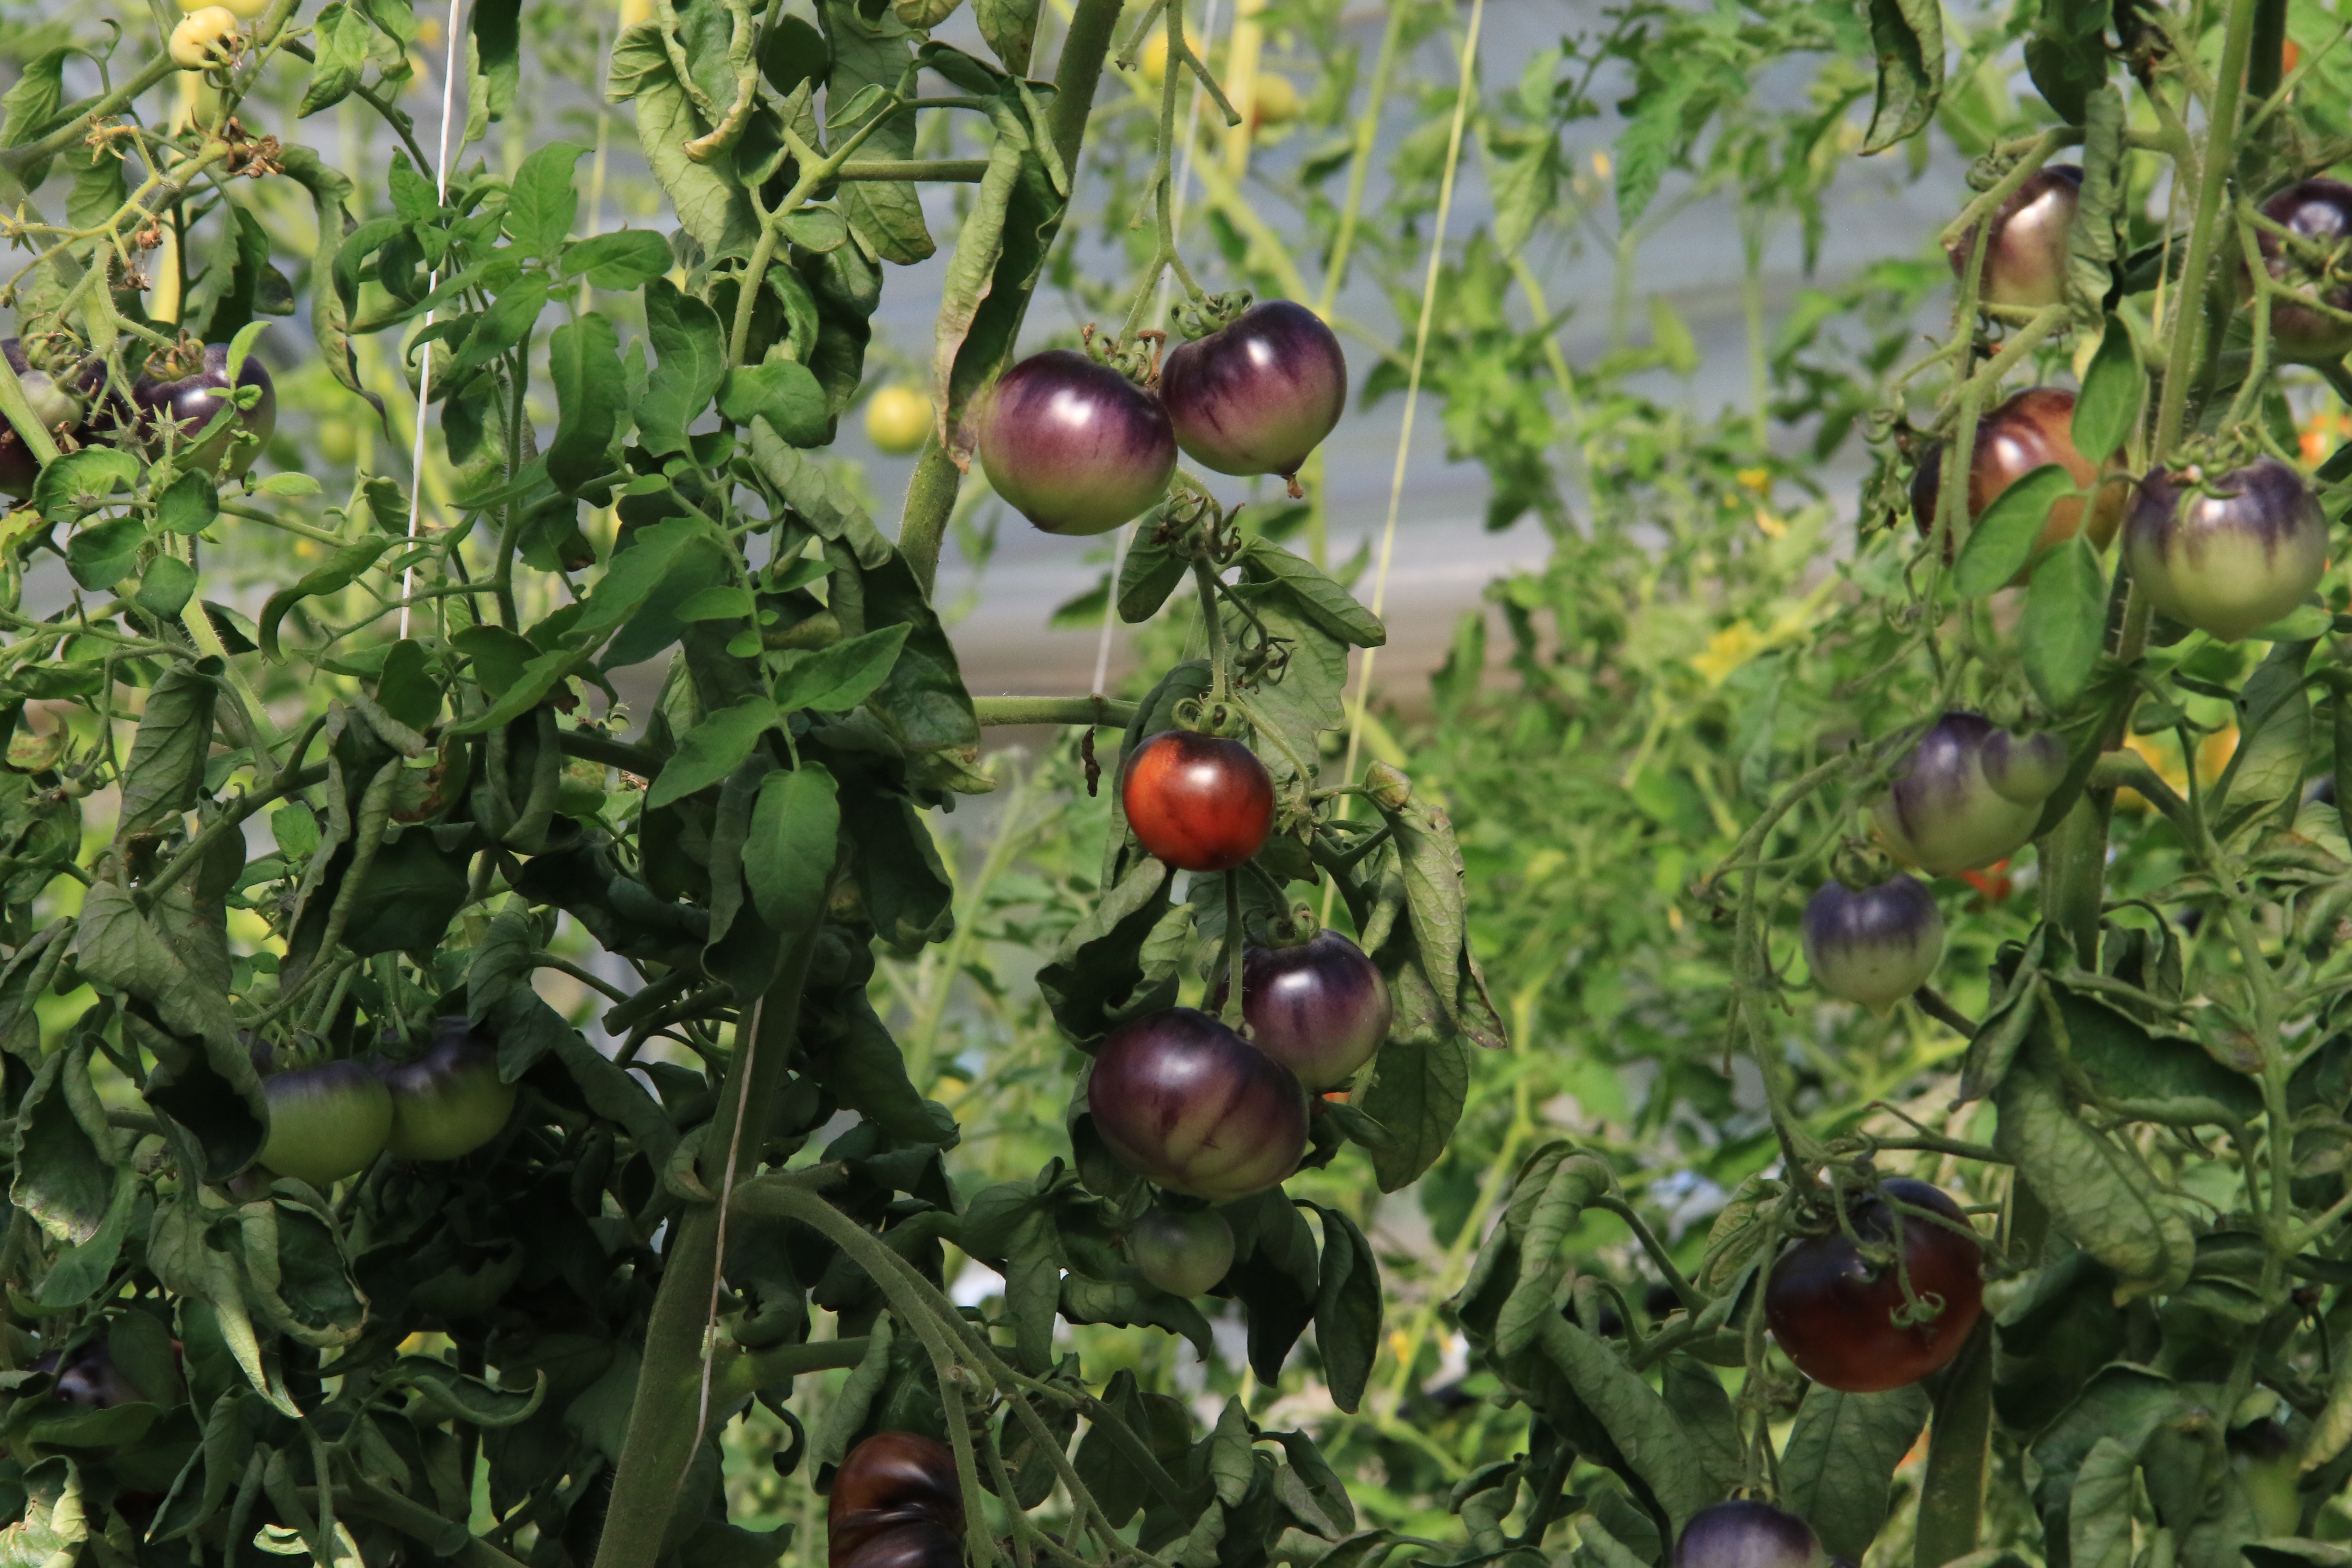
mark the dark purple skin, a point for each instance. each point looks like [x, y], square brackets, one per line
[1186, 1103]
[89, 1379]
[1074, 446]
[895, 1504]
[57, 404]
[2027, 769]
[1259, 394]
[191, 401]
[2233, 561]
[2319, 210]
[1941, 814]
[449, 1101]
[1872, 946]
[2025, 259]
[1747, 1535]
[1320, 1008]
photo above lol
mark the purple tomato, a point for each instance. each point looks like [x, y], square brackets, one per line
[2318, 211]
[1319, 1007]
[1942, 812]
[326, 1123]
[186, 390]
[1745, 1533]
[1257, 395]
[1074, 446]
[1186, 1103]
[2025, 259]
[1873, 946]
[2229, 556]
[449, 1101]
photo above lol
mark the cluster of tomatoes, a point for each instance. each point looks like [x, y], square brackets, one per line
[183, 389]
[332, 1121]
[1077, 447]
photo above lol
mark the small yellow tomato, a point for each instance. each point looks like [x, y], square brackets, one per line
[635, 11]
[1153, 61]
[205, 39]
[898, 418]
[339, 441]
[1277, 101]
[243, 10]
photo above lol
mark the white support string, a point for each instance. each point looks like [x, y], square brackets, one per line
[425, 369]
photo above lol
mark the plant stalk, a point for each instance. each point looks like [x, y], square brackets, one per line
[1951, 1496]
[2221, 145]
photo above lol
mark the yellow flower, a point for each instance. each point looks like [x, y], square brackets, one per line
[1729, 649]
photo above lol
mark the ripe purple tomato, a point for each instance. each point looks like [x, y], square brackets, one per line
[60, 402]
[1943, 814]
[2232, 561]
[1833, 1311]
[895, 1504]
[1197, 802]
[1186, 1103]
[1319, 1007]
[1259, 394]
[1744, 1533]
[2025, 259]
[89, 1378]
[449, 1101]
[2032, 429]
[326, 1123]
[1874, 946]
[1074, 446]
[2320, 211]
[187, 394]
[1182, 1252]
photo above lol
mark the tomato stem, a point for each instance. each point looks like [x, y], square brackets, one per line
[1233, 1019]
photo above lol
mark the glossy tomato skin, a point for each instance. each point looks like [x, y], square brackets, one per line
[1941, 813]
[2231, 562]
[1744, 1533]
[2025, 259]
[895, 1505]
[1873, 946]
[1182, 1252]
[2319, 210]
[449, 1101]
[1257, 395]
[1189, 1105]
[326, 1123]
[898, 418]
[189, 402]
[1320, 1007]
[1199, 803]
[1074, 446]
[1834, 1312]
[2032, 429]
[60, 401]
[2026, 769]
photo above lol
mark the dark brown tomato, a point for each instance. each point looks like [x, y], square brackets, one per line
[895, 1504]
[2030, 431]
[1186, 1103]
[2025, 259]
[1834, 1312]
[1198, 802]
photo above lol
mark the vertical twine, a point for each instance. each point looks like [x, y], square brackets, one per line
[425, 369]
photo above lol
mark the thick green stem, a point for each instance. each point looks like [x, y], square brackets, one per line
[1050, 710]
[1078, 72]
[930, 502]
[2267, 62]
[665, 1423]
[2221, 145]
[945, 170]
[1951, 1497]
[1206, 577]
[2074, 868]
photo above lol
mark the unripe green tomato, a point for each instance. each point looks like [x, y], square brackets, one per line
[898, 418]
[205, 39]
[449, 1101]
[339, 441]
[326, 1123]
[1184, 1253]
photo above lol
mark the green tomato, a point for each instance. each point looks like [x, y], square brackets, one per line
[326, 1123]
[449, 1103]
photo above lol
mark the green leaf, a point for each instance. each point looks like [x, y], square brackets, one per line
[1347, 1309]
[1009, 27]
[2099, 1512]
[1544, 1261]
[889, 214]
[1838, 1465]
[837, 678]
[2100, 1196]
[2108, 404]
[64, 1152]
[1431, 861]
[1639, 1421]
[783, 393]
[711, 750]
[1908, 36]
[34, 101]
[583, 359]
[1148, 575]
[505, 325]
[2001, 542]
[100, 557]
[1417, 1096]
[971, 278]
[1694, 1391]
[340, 41]
[189, 504]
[165, 587]
[2065, 623]
[1092, 980]
[1083, 1300]
[622, 261]
[330, 309]
[340, 570]
[81, 480]
[1323, 601]
[165, 774]
[712, 206]
[493, 65]
[691, 363]
[541, 204]
[788, 858]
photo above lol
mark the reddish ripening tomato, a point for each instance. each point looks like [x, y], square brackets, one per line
[1186, 1103]
[326, 1123]
[1319, 1007]
[1835, 1312]
[1993, 884]
[2025, 259]
[1074, 446]
[2232, 555]
[1747, 1535]
[2030, 431]
[1198, 802]
[1873, 945]
[1184, 1252]
[1257, 395]
[895, 1504]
